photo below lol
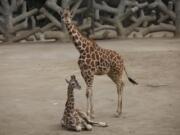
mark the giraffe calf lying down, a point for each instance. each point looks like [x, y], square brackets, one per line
[74, 119]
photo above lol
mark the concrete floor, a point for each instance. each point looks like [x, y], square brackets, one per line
[33, 88]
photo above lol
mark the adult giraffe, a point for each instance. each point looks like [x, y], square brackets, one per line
[94, 60]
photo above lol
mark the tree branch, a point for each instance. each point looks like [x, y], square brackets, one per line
[100, 27]
[86, 24]
[50, 17]
[2, 30]
[23, 16]
[24, 35]
[52, 4]
[1, 10]
[5, 4]
[75, 7]
[163, 8]
[81, 10]
[15, 4]
[104, 7]
[139, 22]
[47, 27]
[24, 24]
[157, 28]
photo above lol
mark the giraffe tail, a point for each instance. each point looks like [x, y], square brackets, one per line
[129, 78]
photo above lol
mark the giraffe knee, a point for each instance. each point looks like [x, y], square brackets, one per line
[78, 128]
[88, 93]
[120, 86]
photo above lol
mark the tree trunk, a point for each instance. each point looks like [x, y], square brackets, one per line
[98, 19]
[177, 18]
[11, 21]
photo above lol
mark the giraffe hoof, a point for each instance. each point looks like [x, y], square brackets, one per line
[103, 124]
[88, 127]
[92, 116]
[117, 114]
[78, 128]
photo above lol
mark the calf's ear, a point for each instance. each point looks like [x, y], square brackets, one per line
[67, 81]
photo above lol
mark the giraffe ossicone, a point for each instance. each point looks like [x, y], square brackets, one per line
[95, 60]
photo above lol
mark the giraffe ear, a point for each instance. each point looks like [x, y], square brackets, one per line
[72, 13]
[61, 11]
[67, 81]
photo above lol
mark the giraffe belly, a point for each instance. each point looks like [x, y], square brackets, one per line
[102, 70]
[100, 73]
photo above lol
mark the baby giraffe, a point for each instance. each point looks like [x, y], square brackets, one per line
[74, 119]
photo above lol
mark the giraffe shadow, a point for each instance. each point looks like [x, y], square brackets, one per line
[55, 127]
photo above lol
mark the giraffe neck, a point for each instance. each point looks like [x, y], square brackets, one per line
[70, 99]
[77, 37]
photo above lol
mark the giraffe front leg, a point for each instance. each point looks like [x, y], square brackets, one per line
[88, 78]
[90, 105]
[88, 101]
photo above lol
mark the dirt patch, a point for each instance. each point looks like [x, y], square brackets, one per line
[33, 89]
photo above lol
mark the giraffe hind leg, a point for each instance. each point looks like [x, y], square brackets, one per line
[78, 128]
[117, 79]
[86, 126]
[120, 86]
[84, 116]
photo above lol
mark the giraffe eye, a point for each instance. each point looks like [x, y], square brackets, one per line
[73, 84]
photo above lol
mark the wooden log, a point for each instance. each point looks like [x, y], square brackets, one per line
[158, 28]
[104, 34]
[160, 34]
[104, 7]
[75, 7]
[86, 24]
[51, 17]
[120, 14]
[160, 4]
[177, 18]
[15, 4]
[40, 17]
[7, 17]
[53, 5]
[2, 28]
[163, 17]
[47, 27]
[57, 35]
[24, 35]
[23, 16]
[2, 39]
[12, 22]
[104, 27]
[24, 24]
[139, 21]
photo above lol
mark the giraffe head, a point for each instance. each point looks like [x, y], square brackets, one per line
[66, 16]
[73, 83]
